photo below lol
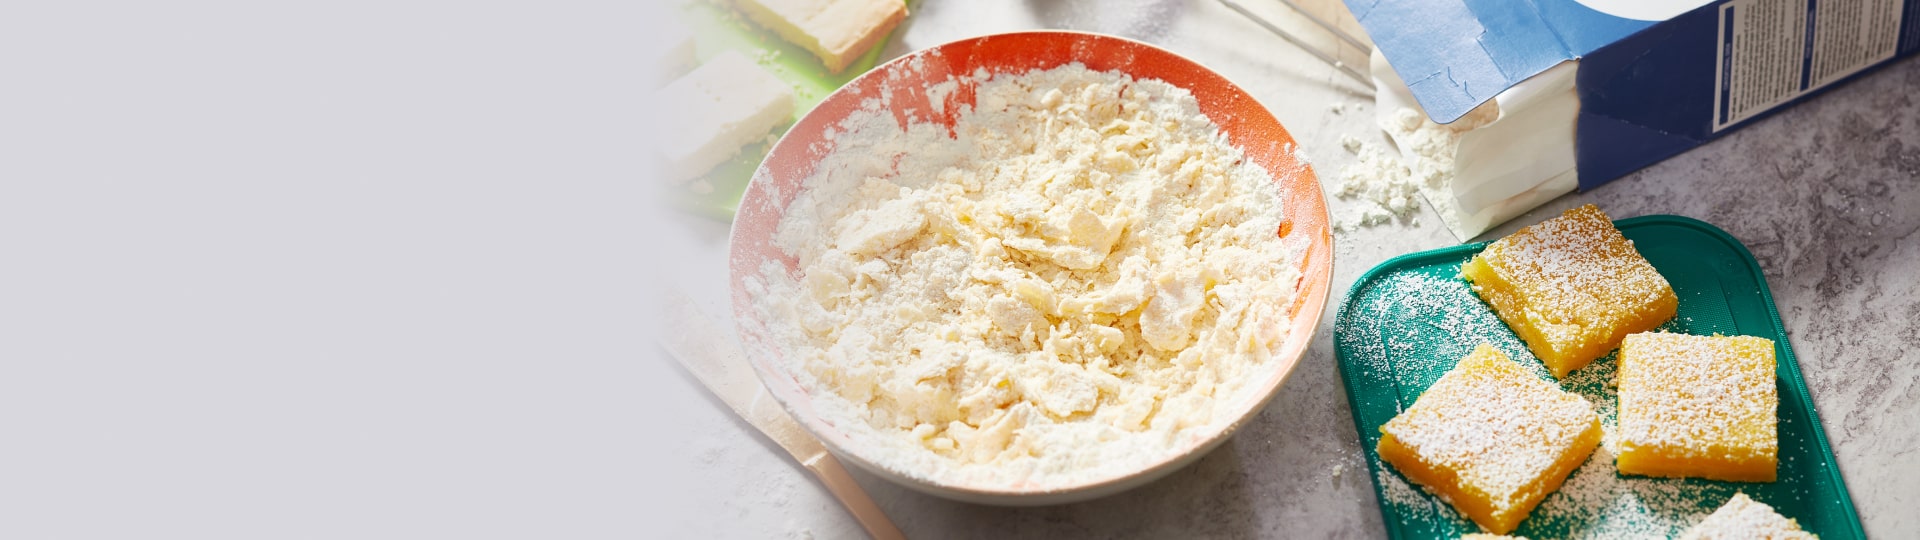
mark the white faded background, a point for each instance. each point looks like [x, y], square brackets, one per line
[345, 269]
[360, 269]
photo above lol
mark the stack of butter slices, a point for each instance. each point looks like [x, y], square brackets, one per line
[731, 101]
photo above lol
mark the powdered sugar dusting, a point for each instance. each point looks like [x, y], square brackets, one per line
[1416, 325]
[1500, 431]
[1596, 502]
[1572, 286]
[1408, 327]
[1699, 398]
[1415, 505]
[1743, 518]
[1575, 264]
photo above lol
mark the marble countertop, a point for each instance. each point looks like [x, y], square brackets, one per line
[1826, 195]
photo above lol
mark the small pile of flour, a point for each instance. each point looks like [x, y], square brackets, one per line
[1429, 148]
[1079, 279]
[1379, 183]
[1385, 182]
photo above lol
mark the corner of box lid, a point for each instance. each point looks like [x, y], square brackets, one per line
[1455, 55]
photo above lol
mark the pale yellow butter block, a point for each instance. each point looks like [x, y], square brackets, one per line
[709, 114]
[837, 31]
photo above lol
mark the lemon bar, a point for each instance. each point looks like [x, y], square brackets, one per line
[1698, 406]
[1571, 287]
[1491, 438]
[1743, 518]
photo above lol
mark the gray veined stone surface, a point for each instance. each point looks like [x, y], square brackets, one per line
[1826, 195]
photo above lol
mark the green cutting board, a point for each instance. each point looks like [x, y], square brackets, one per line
[717, 28]
[1410, 319]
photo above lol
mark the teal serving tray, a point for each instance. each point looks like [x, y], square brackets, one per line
[1410, 319]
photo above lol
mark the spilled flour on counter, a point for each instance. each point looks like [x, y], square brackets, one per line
[1379, 183]
[1388, 183]
[1080, 279]
[1429, 149]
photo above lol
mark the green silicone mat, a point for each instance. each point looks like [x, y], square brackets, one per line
[717, 28]
[1408, 320]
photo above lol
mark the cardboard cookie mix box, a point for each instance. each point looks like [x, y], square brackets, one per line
[1648, 78]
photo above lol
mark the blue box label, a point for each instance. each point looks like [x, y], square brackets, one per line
[1775, 51]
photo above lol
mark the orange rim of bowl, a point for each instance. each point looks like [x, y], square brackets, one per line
[1247, 124]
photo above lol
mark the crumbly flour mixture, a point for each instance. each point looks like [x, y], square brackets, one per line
[1081, 278]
